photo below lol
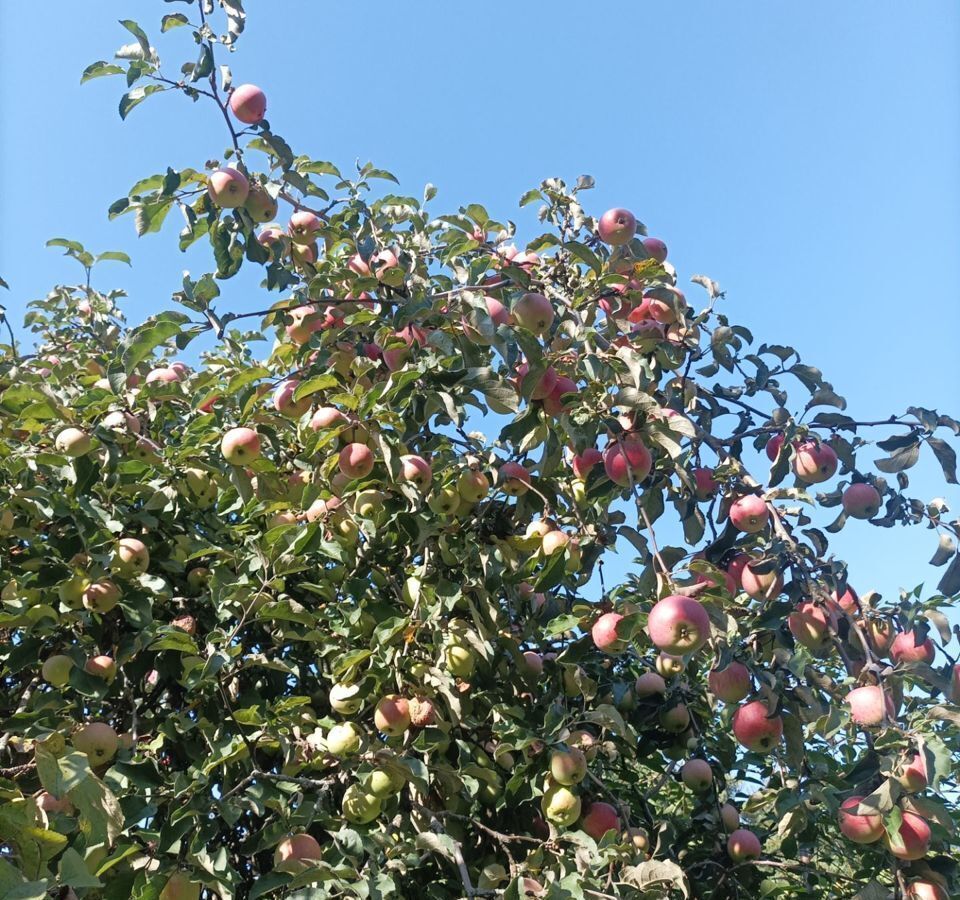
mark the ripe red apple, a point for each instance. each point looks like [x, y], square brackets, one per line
[248, 103]
[697, 775]
[705, 484]
[810, 626]
[656, 248]
[742, 845]
[861, 501]
[773, 447]
[755, 728]
[284, 402]
[383, 263]
[164, 375]
[240, 446]
[914, 776]
[678, 625]
[327, 417]
[356, 460]
[304, 227]
[925, 889]
[297, 852]
[880, 635]
[861, 829]
[868, 704]
[73, 442]
[416, 470]
[537, 385]
[627, 457]
[815, 463]
[760, 585]
[905, 649]
[955, 685]
[392, 715]
[730, 684]
[227, 188]
[534, 312]
[650, 684]
[914, 835]
[101, 667]
[568, 767]
[553, 404]
[554, 541]
[599, 819]
[617, 226]
[848, 602]
[98, 740]
[749, 513]
[604, 634]
[584, 462]
[130, 558]
[676, 719]
[514, 478]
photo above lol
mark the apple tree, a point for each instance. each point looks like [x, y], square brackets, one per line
[309, 599]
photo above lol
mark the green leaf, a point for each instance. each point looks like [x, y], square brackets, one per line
[139, 34]
[136, 96]
[174, 20]
[73, 871]
[113, 255]
[99, 69]
[142, 341]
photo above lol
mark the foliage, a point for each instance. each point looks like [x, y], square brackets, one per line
[292, 591]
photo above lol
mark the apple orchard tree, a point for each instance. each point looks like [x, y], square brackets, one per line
[281, 623]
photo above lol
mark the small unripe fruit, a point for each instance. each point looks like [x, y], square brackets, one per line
[560, 806]
[343, 740]
[56, 669]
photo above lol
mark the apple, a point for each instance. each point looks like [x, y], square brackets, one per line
[599, 819]
[56, 669]
[534, 312]
[553, 404]
[697, 775]
[861, 829]
[914, 835]
[73, 442]
[955, 685]
[560, 806]
[914, 776]
[392, 715]
[460, 661]
[617, 226]
[678, 625]
[755, 728]
[472, 486]
[180, 887]
[749, 513]
[445, 501]
[121, 421]
[345, 699]
[383, 263]
[568, 767]
[185, 623]
[514, 478]
[809, 625]
[227, 188]
[296, 853]
[605, 636]
[343, 740]
[675, 719]
[130, 558]
[861, 501]
[423, 713]
[625, 459]
[729, 817]
[145, 451]
[555, 541]
[304, 226]
[849, 602]
[880, 635]
[736, 566]
[815, 463]
[51, 804]
[656, 248]
[198, 485]
[383, 784]
[306, 321]
[356, 461]
[98, 740]
[284, 402]
[760, 585]
[248, 103]
[773, 447]
[705, 485]
[868, 705]
[536, 385]
[925, 889]
[102, 667]
[101, 596]
[650, 684]
[358, 806]
[669, 666]
[416, 470]
[260, 204]
[584, 462]
[730, 684]
[531, 663]
[164, 375]
[905, 649]
[240, 446]
[498, 313]
[742, 845]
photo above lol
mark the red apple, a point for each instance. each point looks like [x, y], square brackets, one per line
[514, 478]
[914, 835]
[656, 248]
[248, 103]
[730, 684]
[416, 470]
[297, 852]
[815, 463]
[356, 460]
[749, 513]
[755, 728]
[228, 188]
[584, 462]
[809, 626]
[861, 501]
[649, 684]
[705, 485]
[905, 649]
[599, 819]
[861, 829]
[553, 404]
[925, 889]
[240, 446]
[617, 226]
[760, 585]
[627, 457]
[678, 625]
[284, 402]
[534, 312]
[304, 226]
[697, 775]
[392, 715]
[914, 776]
[868, 705]
[604, 634]
[743, 845]
[773, 446]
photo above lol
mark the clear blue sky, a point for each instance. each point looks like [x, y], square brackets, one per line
[803, 155]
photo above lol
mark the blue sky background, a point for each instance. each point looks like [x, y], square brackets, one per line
[803, 155]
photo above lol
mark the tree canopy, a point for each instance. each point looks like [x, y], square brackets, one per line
[320, 611]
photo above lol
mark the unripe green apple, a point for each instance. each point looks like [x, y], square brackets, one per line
[56, 669]
[461, 661]
[561, 806]
[343, 740]
[345, 699]
[568, 766]
[383, 784]
[445, 501]
[73, 442]
[359, 807]
[98, 740]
